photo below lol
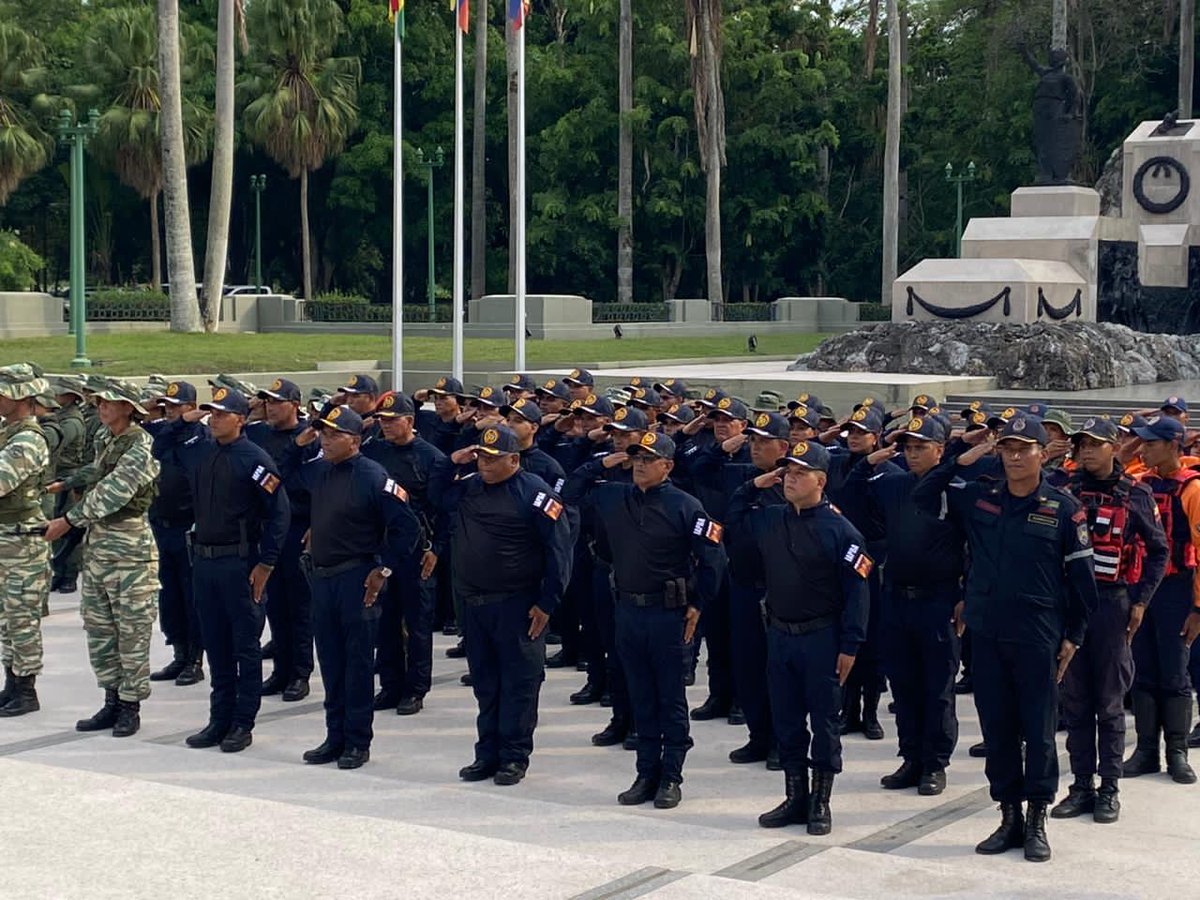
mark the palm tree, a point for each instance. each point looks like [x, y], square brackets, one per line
[24, 147]
[891, 165]
[705, 43]
[122, 54]
[301, 102]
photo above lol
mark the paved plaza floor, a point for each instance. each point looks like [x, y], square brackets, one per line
[91, 816]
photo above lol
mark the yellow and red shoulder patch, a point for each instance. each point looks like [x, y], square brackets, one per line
[393, 487]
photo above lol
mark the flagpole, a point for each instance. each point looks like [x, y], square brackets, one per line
[457, 364]
[397, 220]
[520, 201]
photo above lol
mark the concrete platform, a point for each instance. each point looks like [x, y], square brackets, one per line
[93, 816]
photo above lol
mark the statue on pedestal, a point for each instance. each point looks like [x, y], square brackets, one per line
[1056, 117]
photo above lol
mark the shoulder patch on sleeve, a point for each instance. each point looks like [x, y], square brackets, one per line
[552, 509]
[706, 528]
[391, 486]
[266, 480]
[862, 565]
[558, 485]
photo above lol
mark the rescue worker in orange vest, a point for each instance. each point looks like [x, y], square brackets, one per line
[1130, 557]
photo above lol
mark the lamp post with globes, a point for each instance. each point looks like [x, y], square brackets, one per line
[75, 134]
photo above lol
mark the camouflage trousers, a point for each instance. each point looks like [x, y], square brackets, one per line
[25, 586]
[119, 604]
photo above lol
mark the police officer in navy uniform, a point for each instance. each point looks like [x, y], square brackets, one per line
[440, 426]
[404, 658]
[524, 417]
[667, 562]
[512, 560]
[363, 531]
[817, 605]
[289, 598]
[242, 517]
[922, 585]
[1130, 553]
[1030, 589]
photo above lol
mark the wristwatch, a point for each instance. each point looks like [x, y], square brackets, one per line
[385, 571]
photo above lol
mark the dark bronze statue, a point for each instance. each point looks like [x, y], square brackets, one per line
[1056, 117]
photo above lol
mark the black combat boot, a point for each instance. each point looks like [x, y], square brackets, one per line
[1010, 834]
[171, 670]
[871, 728]
[1080, 799]
[820, 819]
[10, 684]
[24, 697]
[105, 717]
[1145, 760]
[1177, 719]
[1108, 802]
[129, 718]
[794, 809]
[1037, 848]
[193, 670]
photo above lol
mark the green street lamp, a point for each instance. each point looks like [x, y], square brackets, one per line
[959, 181]
[258, 184]
[75, 134]
[436, 160]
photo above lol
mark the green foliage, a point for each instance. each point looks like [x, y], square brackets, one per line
[118, 304]
[874, 312]
[24, 145]
[18, 264]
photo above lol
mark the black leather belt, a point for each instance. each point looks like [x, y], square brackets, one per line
[641, 599]
[220, 551]
[343, 567]
[799, 628]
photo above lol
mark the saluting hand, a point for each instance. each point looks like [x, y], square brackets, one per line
[1065, 654]
[463, 456]
[429, 561]
[537, 622]
[883, 455]
[1136, 613]
[734, 444]
[421, 396]
[768, 479]
[691, 619]
[615, 459]
[307, 436]
[465, 416]
[258, 581]
[959, 625]
[845, 662]
[979, 451]
[1191, 628]
[193, 415]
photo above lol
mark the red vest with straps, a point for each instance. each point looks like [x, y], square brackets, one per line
[1167, 491]
[1117, 554]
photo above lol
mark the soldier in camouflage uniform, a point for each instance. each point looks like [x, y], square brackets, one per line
[24, 556]
[66, 432]
[120, 581]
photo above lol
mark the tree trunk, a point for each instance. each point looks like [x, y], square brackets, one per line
[216, 246]
[1187, 56]
[872, 40]
[479, 156]
[891, 165]
[704, 39]
[1058, 33]
[305, 248]
[185, 308]
[625, 159]
[155, 244]
[510, 57]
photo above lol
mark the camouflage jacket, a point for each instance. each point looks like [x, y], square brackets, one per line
[113, 508]
[24, 459]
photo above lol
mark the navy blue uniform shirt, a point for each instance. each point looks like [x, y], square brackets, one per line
[173, 502]
[413, 466]
[278, 443]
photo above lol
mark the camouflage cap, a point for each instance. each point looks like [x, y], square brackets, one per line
[94, 383]
[228, 381]
[22, 381]
[123, 392]
[47, 401]
[69, 384]
[157, 383]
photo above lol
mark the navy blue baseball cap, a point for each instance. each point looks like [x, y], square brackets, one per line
[975, 406]
[923, 402]
[645, 397]
[489, 396]
[866, 418]
[340, 418]
[654, 443]
[1129, 421]
[923, 428]
[555, 387]
[801, 413]
[812, 401]
[998, 420]
[678, 412]
[976, 419]
[1037, 408]
[676, 387]
[498, 441]
[579, 378]
[712, 397]
[628, 418]
[1161, 428]
[520, 382]
[1025, 428]
[394, 405]
[178, 393]
[282, 389]
[525, 408]
[808, 454]
[361, 384]
[868, 402]
[770, 425]
[1176, 403]
[448, 385]
[1100, 428]
[637, 381]
[593, 405]
[731, 407]
[227, 400]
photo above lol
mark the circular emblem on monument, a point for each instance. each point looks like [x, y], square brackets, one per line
[1161, 185]
[491, 436]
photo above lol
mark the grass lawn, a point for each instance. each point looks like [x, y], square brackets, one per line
[183, 354]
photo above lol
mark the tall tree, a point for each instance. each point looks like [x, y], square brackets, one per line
[1187, 56]
[479, 156]
[891, 161]
[625, 157]
[705, 46]
[1058, 29]
[216, 246]
[301, 100]
[24, 146]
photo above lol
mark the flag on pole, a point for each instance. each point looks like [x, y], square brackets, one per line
[463, 10]
[517, 11]
[396, 16]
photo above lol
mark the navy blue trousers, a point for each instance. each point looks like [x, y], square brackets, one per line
[606, 626]
[507, 670]
[176, 605]
[802, 674]
[714, 626]
[868, 672]
[655, 659]
[345, 635]
[921, 655]
[1159, 655]
[404, 657]
[748, 637]
[1093, 691]
[232, 624]
[290, 610]
[1017, 699]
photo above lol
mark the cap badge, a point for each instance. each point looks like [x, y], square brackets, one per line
[859, 415]
[334, 414]
[800, 449]
[352, 382]
[649, 438]
[1172, 399]
[549, 384]
[1018, 426]
[389, 401]
[975, 404]
[440, 383]
[1153, 420]
[803, 398]
[491, 436]
[725, 403]
[710, 393]
[172, 389]
[1008, 413]
[978, 418]
[221, 394]
[762, 421]
[915, 423]
[575, 404]
[516, 379]
[276, 384]
[1127, 419]
[622, 413]
[1090, 423]
[922, 400]
[486, 392]
[591, 398]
